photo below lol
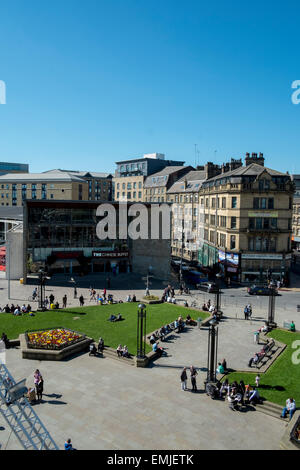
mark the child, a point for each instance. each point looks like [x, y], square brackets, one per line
[257, 380]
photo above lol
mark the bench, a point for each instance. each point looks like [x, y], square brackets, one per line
[264, 352]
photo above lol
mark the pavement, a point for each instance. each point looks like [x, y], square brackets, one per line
[101, 403]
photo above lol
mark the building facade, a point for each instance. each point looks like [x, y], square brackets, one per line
[15, 188]
[8, 167]
[131, 174]
[247, 222]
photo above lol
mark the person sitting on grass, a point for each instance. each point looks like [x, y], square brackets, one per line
[134, 298]
[112, 318]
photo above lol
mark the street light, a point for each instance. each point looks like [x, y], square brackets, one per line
[271, 312]
[212, 352]
[218, 293]
[75, 289]
[141, 331]
[42, 280]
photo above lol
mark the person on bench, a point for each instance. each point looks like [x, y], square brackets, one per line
[254, 397]
[100, 345]
[125, 352]
[119, 350]
[290, 408]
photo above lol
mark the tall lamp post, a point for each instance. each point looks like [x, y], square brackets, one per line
[271, 312]
[75, 287]
[42, 281]
[212, 352]
[141, 331]
[218, 293]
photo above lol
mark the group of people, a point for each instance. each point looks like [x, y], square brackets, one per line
[122, 351]
[16, 309]
[99, 350]
[183, 379]
[237, 394]
[131, 299]
[168, 295]
[114, 318]
[247, 312]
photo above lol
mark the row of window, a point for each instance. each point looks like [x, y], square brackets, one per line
[133, 167]
[128, 195]
[130, 185]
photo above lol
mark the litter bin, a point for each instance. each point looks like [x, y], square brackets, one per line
[21, 280]
[199, 322]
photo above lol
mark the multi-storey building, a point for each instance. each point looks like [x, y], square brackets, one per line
[186, 224]
[8, 167]
[157, 185]
[296, 222]
[54, 185]
[131, 174]
[247, 221]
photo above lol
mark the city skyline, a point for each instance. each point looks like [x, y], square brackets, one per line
[89, 85]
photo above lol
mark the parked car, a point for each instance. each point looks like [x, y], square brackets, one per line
[208, 287]
[261, 290]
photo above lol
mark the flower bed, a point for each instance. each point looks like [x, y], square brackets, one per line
[55, 339]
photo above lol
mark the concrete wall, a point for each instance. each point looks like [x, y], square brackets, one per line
[15, 254]
[155, 253]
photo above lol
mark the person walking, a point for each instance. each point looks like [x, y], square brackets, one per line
[51, 298]
[65, 301]
[257, 380]
[246, 312]
[183, 379]
[194, 373]
[40, 388]
[36, 378]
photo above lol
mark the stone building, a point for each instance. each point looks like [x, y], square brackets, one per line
[247, 221]
[131, 174]
[296, 223]
[54, 185]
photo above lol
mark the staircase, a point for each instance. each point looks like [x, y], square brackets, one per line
[271, 409]
[112, 354]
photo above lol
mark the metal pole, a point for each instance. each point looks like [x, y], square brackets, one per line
[7, 254]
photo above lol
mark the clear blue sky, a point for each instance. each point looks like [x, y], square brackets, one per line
[93, 82]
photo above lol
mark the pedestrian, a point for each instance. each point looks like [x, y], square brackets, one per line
[81, 301]
[194, 373]
[183, 379]
[64, 301]
[68, 445]
[257, 380]
[249, 308]
[40, 388]
[36, 378]
[256, 337]
[246, 312]
[51, 298]
[104, 293]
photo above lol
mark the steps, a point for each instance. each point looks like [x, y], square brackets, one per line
[112, 354]
[271, 409]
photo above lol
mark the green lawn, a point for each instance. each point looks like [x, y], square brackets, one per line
[93, 321]
[282, 380]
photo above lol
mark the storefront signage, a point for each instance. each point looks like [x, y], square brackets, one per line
[263, 214]
[67, 254]
[110, 254]
[262, 256]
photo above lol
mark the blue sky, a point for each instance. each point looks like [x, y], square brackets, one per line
[90, 83]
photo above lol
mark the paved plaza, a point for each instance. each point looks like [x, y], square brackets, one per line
[103, 404]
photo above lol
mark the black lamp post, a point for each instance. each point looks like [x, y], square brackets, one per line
[42, 280]
[271, 312]
[212, 352]
[218, 293]
[75, 287]
[141, 331]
